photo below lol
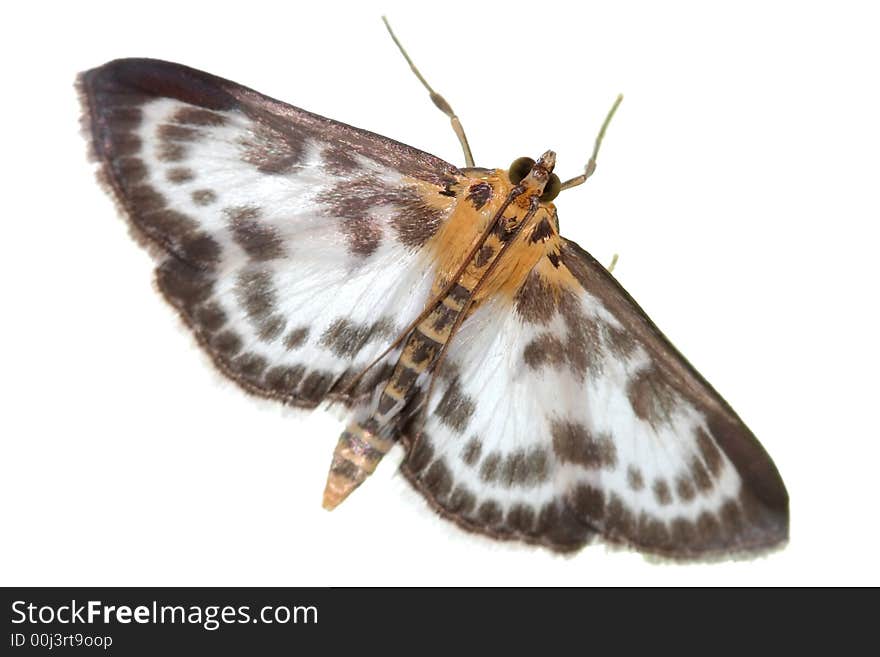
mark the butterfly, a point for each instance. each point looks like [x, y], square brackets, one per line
[438, 306]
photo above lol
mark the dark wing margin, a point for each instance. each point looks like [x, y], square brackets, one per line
[617, 434]
[554, 525]
[193, 254]
[109, 93]
[112, 96]
[763, 517]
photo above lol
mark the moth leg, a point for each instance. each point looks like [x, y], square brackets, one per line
[591, 164]
[613, 263]
[438, 100]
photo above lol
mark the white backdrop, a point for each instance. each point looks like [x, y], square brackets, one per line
[738, 182]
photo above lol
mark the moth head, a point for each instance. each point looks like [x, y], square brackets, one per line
[537, 177]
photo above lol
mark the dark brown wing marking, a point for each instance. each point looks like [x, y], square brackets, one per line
[190, 252]
[760, 517]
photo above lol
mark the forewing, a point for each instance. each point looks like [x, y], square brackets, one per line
[566, 412]
[289, 243]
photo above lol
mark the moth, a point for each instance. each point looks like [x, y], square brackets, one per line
[438, 306]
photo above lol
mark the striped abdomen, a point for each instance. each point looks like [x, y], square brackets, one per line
[363, 444]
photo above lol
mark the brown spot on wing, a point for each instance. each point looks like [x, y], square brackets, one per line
[420, 455]
[316, 385]
[355, 202]
[562, 528]
[682, 533]
[124, 118]
[198, 117]
[271, 327]
[461, 501]
[346, 338]
[708, 530]
[535, 300]
[728, 432]
[471, 452]
[172, 140]
[339, 160]
[490, 513]
[146, 200]
[363, 235]
[524, 468]
[651, 397]
[634, 478]
[700, 476]
[652, 533]
[204, 197]
[210, 316]
[545, 349]
[581, 349]
[273, 151]
[184, 285]
[180, 175]
[176, 231]
[131, 169]
[621, 343]
[521, 518]
[661, 492]
[249, 366]
[709, 533]
[296, 338]
[731, 516]
[490, 467]
[619, 521]
[112, 96]
[178, 133]
[260, 240]
[119, 134]
[588, 502]
[284, 379]
[256, 293]
[438, 479]
[553, 526]
[200, 248]
[574, 443]
[685, 488]
[227, 343]
[455, 408]
[170, 151]
[414, 221]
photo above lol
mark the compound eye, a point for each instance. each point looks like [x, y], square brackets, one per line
[551, 189]
[520, 169]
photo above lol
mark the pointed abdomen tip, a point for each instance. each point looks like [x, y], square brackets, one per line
[337, 489]
[330, 501]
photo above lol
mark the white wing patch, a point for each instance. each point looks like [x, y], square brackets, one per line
[293, 259]
[572, 419]
[484, 454]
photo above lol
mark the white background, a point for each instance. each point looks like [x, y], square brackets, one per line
[738, 182]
